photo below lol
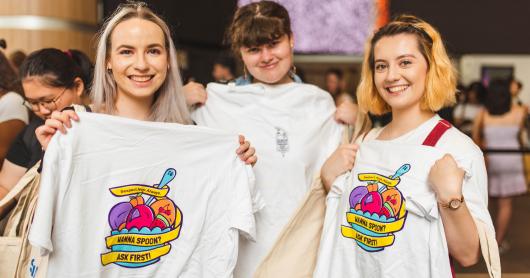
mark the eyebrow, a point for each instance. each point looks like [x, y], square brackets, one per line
[399, 57]
[406, 55]
[132, 47]
[46, 98]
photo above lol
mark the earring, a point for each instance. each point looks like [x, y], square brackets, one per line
[292, 72]
[109, 70]
[245, 74]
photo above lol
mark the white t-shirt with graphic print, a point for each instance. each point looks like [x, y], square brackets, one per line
[126, 198]
[293, 129]
[382, 218]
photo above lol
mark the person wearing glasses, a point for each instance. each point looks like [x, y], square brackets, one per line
[13, 116]
[52, 80]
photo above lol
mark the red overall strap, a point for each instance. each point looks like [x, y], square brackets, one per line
[436, 133]
[431, 140]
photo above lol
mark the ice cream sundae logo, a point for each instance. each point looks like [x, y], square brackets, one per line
[142, 230]
[282, 141]
[377, 211]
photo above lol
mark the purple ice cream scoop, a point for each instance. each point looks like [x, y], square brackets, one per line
[357, 194]
[118, 214]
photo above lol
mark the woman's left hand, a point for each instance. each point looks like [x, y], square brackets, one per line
[245, 152]
[446, 179]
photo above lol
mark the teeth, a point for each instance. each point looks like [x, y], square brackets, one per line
[140, 78]
[397, 88]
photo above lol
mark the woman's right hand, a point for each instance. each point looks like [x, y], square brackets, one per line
[58, 121]
[195, 93]
[339, 162]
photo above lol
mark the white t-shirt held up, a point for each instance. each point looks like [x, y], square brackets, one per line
[293, 129]
[126, 198]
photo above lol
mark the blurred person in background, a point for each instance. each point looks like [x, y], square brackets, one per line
[52, 80]
[335, 85]
[13, 115]
[224, 68]
[16, 58]
[498, 126]
[346, 107]
[465, 112]
[515, 90]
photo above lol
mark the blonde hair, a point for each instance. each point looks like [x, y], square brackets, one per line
[169, 103]
[440, 83]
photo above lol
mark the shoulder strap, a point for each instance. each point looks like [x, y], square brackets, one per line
[436, 133]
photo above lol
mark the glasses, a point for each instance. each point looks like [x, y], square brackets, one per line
[50, 105]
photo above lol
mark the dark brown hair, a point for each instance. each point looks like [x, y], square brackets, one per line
[56, 68]
[8, 78]
[498, 98]
[257, 24]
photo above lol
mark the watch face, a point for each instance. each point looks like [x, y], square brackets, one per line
[454, 204]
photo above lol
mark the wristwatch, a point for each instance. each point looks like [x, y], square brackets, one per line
[453, 204]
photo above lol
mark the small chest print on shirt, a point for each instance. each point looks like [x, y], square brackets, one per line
[282, 141]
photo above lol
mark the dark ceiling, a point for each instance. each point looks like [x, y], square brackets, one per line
[197, 24]
[468, 26]
[471, 26]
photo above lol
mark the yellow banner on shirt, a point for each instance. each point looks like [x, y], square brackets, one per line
[142, 240]
[379, 178]
[132, 189]
[134, 257]
[366, 239]
[373, 225]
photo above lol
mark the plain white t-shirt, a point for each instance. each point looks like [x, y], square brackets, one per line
[96, 217]
[12, 108]
[293, 129]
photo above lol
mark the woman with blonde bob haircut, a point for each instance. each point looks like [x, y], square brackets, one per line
[406, 178]
[440, 82]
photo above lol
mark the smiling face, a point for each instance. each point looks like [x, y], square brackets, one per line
[270, 63]
[138, 58]
[400, 71]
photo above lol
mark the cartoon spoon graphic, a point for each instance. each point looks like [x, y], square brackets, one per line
[400, 172]
[169, 175]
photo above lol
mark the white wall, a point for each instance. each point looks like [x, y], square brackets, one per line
[470, 66]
